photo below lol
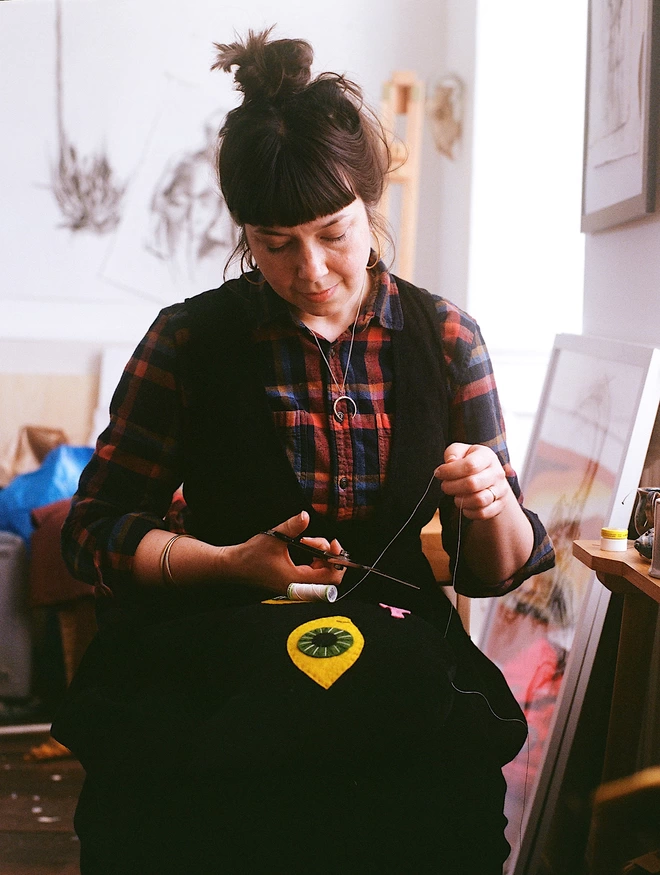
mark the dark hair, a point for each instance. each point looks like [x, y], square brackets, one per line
[297, 148]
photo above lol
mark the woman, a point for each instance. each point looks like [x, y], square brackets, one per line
[223, 727]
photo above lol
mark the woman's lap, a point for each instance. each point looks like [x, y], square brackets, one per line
[396, 821]
[211, 752]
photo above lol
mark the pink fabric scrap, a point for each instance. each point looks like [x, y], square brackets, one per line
[397, 613]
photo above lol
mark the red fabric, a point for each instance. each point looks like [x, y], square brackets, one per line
[49, 579]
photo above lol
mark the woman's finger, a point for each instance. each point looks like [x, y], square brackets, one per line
[319, 543]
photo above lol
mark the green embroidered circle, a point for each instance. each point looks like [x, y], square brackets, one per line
[325, 641]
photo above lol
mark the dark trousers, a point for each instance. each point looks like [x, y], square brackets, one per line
[327, 821]
[208, 751]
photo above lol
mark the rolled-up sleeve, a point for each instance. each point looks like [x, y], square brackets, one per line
[475, 417]
[127, 488]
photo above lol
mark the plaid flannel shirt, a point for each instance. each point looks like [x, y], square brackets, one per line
[128, 486]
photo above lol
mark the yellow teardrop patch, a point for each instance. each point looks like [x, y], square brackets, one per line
[325, 648]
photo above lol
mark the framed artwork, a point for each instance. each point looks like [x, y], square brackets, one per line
[583, 465]
[620, 140]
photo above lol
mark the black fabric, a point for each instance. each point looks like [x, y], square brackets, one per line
[208, 750]
[219, 690]
[407, 819]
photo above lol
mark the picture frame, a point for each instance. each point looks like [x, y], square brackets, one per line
[583, 465]
[621, 109]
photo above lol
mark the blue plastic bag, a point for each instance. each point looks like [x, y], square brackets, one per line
[57, 478]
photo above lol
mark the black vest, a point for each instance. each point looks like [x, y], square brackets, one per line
[237, 477]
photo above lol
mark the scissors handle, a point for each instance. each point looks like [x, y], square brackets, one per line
[341, 560]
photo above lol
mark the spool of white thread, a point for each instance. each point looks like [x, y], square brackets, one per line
[311, 592]
[614, 539]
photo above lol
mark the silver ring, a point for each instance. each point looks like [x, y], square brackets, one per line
[490, 489]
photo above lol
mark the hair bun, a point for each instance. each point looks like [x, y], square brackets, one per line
[266, 69]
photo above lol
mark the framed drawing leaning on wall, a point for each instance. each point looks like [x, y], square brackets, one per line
[583, 465]
[620, 139]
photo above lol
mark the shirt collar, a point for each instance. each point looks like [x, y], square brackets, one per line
[383, 307]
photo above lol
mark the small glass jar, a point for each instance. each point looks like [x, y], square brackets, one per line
[614, 539]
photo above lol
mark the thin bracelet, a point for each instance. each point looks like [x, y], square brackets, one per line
[165, 568]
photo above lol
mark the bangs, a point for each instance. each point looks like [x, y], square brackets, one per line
[292, 190]
[307, 155]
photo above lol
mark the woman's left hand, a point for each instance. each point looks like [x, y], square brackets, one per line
[474, 475]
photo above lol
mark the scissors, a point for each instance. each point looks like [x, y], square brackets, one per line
[339, 560]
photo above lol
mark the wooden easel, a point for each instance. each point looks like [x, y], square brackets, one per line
[403, 107]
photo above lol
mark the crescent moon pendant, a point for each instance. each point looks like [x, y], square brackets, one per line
[339, 416]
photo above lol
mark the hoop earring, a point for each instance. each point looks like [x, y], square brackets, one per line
[371, 266]
[247, 259]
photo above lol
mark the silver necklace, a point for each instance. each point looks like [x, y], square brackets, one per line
[339, 414]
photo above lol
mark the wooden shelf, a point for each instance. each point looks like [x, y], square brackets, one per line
[613, 568]
[626, 575]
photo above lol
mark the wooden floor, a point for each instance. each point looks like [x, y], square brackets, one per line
[37, 802]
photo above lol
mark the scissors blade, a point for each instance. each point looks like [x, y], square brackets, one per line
[338, 559]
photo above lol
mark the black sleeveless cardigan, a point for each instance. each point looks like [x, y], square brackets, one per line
[237, 477]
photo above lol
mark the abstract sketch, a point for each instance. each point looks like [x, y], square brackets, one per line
[87, 194]
[445, 108]
[189, 219]
[573, 482]
[176, 232]
[572, 475]
[93, 118]
[620, 133]
[616, 121]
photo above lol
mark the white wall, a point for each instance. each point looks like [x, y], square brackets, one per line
[450, 241]
[622, 282]
[526, 246]
[136, 83]
[526, 257]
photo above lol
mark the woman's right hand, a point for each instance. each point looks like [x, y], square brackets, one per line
[265, 562]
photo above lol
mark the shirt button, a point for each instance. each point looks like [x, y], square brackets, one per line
[343, 482]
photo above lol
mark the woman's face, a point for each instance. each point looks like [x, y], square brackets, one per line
[318, 267]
